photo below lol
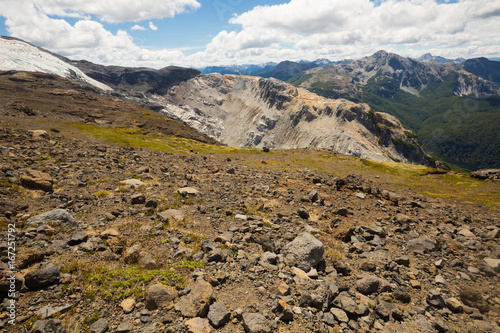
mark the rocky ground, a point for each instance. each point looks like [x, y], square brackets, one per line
[112, 237]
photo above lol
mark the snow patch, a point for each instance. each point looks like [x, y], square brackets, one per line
[20, 56]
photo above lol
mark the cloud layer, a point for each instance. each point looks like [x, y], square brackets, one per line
[332, 29]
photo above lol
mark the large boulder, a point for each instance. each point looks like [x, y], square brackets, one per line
[304, 249]
[197, 302]
[160, 296]
[53, 217]
[45, 274]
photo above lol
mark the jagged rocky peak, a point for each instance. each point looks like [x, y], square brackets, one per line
[259, 112]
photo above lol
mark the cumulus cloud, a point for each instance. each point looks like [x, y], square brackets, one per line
[333, 29]
[152, 26]
[138, 28]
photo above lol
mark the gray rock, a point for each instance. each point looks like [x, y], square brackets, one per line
[494, 264]
[218, 315]
[303, 213]
[171, 214]
[48, 326]
[454, 305]
[218, 255]
[345, 303]
[369, 284]
[100, 326]
[160, 296]
[131, 254]
[138, 199]
[188, 191]
[269, 258]
[197, 302]
[385, 309]
[303, 249]
[44, 275]
[146, 261]
[125, 327]
[47, 311]
[198, 325]
[401, 295]
[339, 315]
[77, 238]
[313, 196]
[256, 323]
[435, 299]
[53, 217]
[421, 245]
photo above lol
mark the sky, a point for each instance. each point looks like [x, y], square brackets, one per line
[197, 33]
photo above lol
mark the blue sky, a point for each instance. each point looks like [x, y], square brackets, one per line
[199, 33]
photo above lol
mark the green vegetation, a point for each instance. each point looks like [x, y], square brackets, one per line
[88, 321]
[462, 131]
[136, 137]
[299, 78]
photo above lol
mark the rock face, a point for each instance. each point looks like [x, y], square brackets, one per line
[303, 249]
[490, 174]
[248, 111]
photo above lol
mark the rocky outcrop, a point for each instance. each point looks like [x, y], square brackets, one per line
[248, 111]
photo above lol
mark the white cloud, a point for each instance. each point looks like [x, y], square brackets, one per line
[116, 11]
[152, 26]
[333, 29]
[138, 28]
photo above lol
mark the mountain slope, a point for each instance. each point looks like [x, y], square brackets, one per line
[257, 112]
[455, 113]
[18, 55]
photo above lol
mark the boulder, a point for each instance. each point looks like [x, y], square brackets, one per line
[304, 249]
[160, 296]
[369, 284]
[256, 323]
[53, 217]
[421, 244]
[100, 326]
[44, 275]
[198, 325]
[197, 302]
[37, 180]
[171, 214]
[188, 191]
[48, 326]
[218, 315]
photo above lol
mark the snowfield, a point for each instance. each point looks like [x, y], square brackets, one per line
[19, 56]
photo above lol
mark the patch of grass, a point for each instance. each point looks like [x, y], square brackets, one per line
[136, 137]
[102, 194]
[88, 321]
[29, 323]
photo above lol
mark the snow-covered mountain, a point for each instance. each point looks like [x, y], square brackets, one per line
[21, 56]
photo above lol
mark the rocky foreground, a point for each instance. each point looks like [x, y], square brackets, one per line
[122, 239]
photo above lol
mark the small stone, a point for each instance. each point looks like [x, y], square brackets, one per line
[188, 191]
[128, 305]
[403, 261]
[493, 264]
[360, 195]
[421, 245]
[339, 315]
[454, 305]
[439, 263]
[300, 273]
[401, 295]
[48, 326]
[435, 299]
[100, 326]
[439, 279]
[256, 323]
[138, 199]
[415, 284]
[218, 315]
[171, 215]
[303, 213]
[125, 327]
[369, 284]
[303, 249]
[77, 238]
[198, 325]
[474, 298]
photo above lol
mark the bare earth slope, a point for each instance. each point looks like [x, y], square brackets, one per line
[153, 232]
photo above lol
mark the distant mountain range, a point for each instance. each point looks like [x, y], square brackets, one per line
[450, 107]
